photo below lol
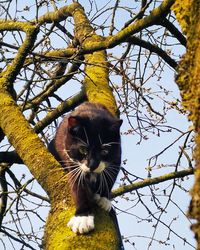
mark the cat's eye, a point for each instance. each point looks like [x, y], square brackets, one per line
[83, 150]
[104, 152]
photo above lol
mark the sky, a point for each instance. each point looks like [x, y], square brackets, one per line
[136, 225]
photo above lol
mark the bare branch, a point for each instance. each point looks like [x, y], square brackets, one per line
[153, 48]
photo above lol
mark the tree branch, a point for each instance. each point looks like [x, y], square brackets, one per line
[8, 76]
[152, 181]
[155, 17]
[173, 30]
[10, 157]
[53, 85]
[4, 192]
[111, 41]
[153, 48]
[64, 107]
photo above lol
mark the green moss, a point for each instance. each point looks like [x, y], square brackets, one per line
[96, 81]
[60, 237]
[40, 162]
[8, 76]
[59, 15]
[188, 80]
[62, 52]
[182, 11]
[188, 76]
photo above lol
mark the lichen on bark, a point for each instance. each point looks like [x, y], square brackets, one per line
[188, 80]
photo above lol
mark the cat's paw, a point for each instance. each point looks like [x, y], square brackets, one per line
[81, 224]
[103, 202]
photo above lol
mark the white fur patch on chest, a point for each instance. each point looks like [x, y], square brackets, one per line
[81, 224]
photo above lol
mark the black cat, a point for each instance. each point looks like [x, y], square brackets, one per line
[87, 144]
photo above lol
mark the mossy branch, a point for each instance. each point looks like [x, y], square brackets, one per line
[57, 16]
[155, 17]
[188, 80]
[76, 9]
[8, 76]
[96, 80]
[40, 162]
[151, 181]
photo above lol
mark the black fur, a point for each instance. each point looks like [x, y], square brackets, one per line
[89, 134]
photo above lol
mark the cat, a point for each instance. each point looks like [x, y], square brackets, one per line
[87, 144]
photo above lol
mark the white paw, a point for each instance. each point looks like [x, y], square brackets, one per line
[103, 202]
[81, 224]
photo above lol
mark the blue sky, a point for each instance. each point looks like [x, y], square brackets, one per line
[135, 222]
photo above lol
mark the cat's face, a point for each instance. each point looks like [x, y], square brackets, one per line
[95, 144]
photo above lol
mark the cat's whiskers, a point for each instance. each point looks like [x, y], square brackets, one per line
[77, 175]
[106, 184]
[71, 176]
[75, 164]
[115, 167]
[63, 150]
[73, 171]
[110, 144]
[84, 143]
[85, 132]
[112, 170]
[81, 179]
[100, 139]
[77, 179]
[110, 176]
[74, 176]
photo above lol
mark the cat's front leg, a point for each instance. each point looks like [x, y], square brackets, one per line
[83, 220]
[81, 224]
[103, 202]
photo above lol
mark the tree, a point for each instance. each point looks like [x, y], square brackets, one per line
[188, 81]
[49, 51]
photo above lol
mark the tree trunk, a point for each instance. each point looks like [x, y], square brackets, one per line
[188, 80]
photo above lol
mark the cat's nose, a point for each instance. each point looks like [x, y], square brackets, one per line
[93, 164]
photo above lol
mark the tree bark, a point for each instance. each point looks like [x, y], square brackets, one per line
[188, 80]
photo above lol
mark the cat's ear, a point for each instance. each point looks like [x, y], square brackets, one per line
[74, 124]
[116, 125]
[72, 121]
